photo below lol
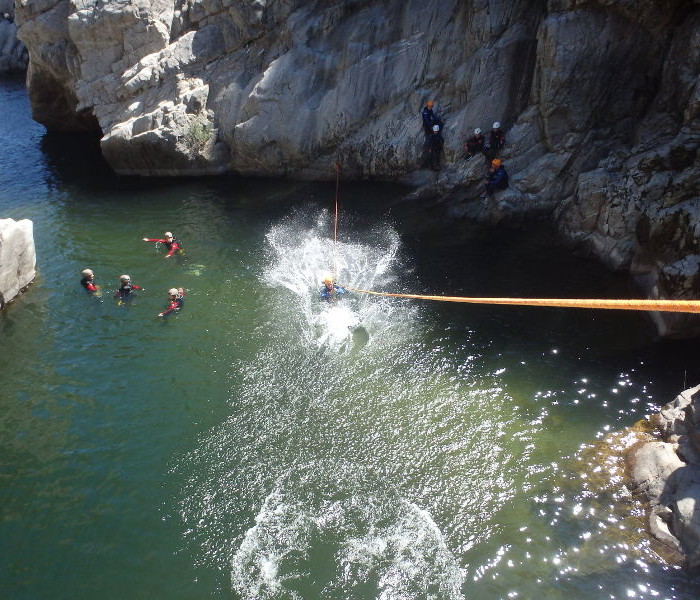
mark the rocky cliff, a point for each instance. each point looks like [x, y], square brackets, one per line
[600, 100]
[13, 54]
[17, 258]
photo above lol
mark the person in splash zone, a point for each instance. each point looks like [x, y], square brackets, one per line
[496, 177]
[331, 290]
[435, 145]
[123, 293]
[175, 301]
[475, 144]
[88, 282]
[172, 244]
[496, 141]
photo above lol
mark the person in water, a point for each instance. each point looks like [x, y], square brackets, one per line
[172, 244]
[175, 301]
[331, 290]
[88, 282]
[125, 289]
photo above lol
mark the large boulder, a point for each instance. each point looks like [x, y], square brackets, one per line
[17, 257]
[667, 472]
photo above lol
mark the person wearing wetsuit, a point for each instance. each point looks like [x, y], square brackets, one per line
[88, 281]
[125, 289]
[496, 177]
[496, 141]
[330, 291]
[172, 244]
[475, 144]
[175, 301]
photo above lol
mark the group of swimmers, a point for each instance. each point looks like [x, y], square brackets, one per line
[123, 293]
[329, 292]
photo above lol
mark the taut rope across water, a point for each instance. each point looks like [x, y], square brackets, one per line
[682, 306]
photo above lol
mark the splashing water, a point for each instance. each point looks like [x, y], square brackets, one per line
[322, 518]
[362, 470]
[302, 257]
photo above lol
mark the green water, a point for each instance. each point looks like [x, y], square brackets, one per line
[262, 444]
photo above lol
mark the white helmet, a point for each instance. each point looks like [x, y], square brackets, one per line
[477, 131]
[436, 128]
[125, 278]
[86, 272]
[173, 292]
[497, 124]
[168, 234]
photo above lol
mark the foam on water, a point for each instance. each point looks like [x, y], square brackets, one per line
[322, 518]
[275, 492]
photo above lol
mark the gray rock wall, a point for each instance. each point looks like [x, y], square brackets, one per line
[600, 100]
[17, 258]
[13, 54]
[667, 471]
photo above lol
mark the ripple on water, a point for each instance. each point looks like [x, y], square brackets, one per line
[358, 537]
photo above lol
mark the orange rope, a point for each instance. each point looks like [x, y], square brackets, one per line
[683, 306]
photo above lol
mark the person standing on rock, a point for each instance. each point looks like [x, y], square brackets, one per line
[496, 141]
[475, 144]
[88, 282]
[496, 177]
[435, 145]
[172, 244]
[175, 301]
[430, 118]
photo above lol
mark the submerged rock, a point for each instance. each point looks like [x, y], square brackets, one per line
[600, 101]
[17, 258]
[667, 471]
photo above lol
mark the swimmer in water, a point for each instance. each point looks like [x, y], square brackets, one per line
[125, 289]
[88, 282]
[175, 301]
[172, 244]
[331, 290]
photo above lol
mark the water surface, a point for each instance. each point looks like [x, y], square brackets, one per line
[262, 444]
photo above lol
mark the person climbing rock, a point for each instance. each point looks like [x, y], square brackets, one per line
[331, 290]
[475, 144]
[175, 301]
[435, 145]
[123, 293]
[496, 177]
[88, 281]
[172, 244]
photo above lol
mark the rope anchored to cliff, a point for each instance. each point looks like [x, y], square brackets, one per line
[335, 226]
[679, 306]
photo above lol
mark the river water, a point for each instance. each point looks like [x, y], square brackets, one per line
[263, 444]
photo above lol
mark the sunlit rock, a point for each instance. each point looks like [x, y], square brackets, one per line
[667, 472]
[17, 257]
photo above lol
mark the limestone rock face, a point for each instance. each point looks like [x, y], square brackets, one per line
[17, 257]
[600, 100]
[13, 54]
[667, 471]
